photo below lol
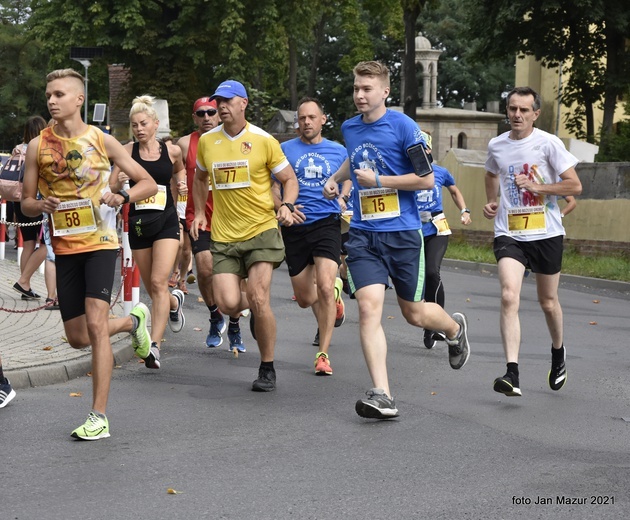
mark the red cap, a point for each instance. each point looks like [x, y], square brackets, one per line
[204, 101]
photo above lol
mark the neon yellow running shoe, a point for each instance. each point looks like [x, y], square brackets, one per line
[95, 428]
[140, 338]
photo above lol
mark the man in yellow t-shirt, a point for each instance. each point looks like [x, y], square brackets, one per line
[238, 158]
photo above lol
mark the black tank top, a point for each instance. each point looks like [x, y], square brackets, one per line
[161, 171]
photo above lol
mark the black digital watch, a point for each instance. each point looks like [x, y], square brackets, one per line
[125, 195]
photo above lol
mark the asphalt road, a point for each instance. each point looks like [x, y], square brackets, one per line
[458, 450]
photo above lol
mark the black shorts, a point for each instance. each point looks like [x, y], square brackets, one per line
[202, 243]
[84, 275]
[182, 221]
[170, 229]
[28, 232]
[344, 239]
[303, 243]
[541, 256]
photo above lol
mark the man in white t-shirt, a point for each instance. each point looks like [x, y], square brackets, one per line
[530, 169]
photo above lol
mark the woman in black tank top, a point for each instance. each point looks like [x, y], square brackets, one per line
[154, 231]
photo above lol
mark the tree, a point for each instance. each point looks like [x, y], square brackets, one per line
[21, 62]
[411, 11]
[463, 77]
[577, 33]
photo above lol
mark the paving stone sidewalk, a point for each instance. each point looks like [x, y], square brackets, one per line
[33, 347]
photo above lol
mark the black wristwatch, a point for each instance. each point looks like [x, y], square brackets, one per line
[125, 195]
[345, 198]
[289, 205]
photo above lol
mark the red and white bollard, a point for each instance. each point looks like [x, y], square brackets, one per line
[3, 229]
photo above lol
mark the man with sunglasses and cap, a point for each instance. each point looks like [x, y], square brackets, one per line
[238, 159]
[206, 117]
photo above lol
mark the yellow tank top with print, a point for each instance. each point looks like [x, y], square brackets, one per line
[76, 171]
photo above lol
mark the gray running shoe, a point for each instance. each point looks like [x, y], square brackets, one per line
[176, 319]
[153, 359]
[377, 405]
[459, 348]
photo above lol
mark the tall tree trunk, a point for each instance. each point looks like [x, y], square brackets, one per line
[319, 39]
[614, 76]
[590, 122]
[411, 11]
[293, 66]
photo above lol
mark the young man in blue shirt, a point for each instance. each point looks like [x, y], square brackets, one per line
[385, 238]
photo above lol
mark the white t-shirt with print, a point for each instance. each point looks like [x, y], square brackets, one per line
[543, 158]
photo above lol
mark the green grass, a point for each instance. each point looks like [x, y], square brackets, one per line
[612, 267]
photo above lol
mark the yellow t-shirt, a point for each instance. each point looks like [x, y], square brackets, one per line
[240, 170]
[76, 170]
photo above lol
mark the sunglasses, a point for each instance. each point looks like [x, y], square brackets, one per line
[211, 112]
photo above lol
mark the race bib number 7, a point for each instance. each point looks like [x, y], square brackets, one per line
[74, 217]
[527, 221]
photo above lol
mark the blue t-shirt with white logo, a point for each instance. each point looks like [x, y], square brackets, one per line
[313, 165]
[431, 200]
[381, 146]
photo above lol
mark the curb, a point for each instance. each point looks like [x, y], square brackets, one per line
[579, 282]
[65, 371]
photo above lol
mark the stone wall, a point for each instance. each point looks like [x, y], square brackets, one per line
[599, 225]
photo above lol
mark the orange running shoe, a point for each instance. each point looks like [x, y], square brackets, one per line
[322, 365]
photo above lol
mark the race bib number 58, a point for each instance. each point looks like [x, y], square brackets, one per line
[74, 217]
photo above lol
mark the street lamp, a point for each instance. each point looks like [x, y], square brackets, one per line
[83, 55]
[86, 64]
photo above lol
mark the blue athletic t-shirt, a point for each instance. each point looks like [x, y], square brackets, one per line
[382, 147]
[431, 200]
[313, 165]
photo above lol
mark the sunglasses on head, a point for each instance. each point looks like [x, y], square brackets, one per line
[211, 112]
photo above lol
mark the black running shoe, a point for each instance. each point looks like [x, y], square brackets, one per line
[558, 373]
[429, 342]
[316, 339]
[266, 381]
[507, 385]
[252, 325]
[439, 336]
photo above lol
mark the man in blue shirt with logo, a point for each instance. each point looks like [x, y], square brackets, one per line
[385, 238]
[313, 247]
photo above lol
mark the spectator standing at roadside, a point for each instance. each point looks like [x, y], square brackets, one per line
[32, 256]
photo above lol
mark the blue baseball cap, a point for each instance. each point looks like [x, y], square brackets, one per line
[228, 89]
